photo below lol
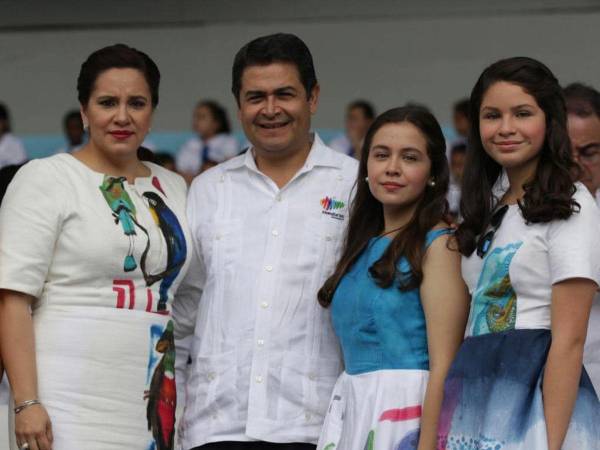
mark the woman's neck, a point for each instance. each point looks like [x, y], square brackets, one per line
[394, 219]
[517, 177]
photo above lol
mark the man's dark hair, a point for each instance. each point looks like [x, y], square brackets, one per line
[279, 47]
[366, 107]
[462, 107]
[582, 100]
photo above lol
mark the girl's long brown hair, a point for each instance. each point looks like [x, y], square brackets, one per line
[366, 212]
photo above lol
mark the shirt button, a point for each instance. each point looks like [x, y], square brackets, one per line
[269, 268]
[259, 379]
[307, 416]
[260, 342]
[210, 376]
[275, 233]
[264, 305]
[311, 376]
[340, 177]
[328, 238]
[222, 179]
[278, 197]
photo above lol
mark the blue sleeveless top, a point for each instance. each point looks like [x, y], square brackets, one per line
[380, 328]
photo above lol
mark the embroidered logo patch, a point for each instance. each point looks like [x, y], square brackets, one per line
[332, 207]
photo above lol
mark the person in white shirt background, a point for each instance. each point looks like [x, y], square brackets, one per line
[583, 108]
[74, 132]
[12, 151]
[212, 144]
[359, 117]
[267, 229]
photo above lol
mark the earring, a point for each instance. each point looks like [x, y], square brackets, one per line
[367, 179]
[431, 183]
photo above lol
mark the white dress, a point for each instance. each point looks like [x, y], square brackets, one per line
[102, 259]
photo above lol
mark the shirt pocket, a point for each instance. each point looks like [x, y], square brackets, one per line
[215, 380]
[221, 243]
[321, 244]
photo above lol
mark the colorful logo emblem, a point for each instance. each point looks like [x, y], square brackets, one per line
[329, 203]
[333, 207]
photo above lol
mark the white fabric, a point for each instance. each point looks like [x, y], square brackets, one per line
[544, 254]
[453, 197]
[60, 244]
[12, 151]
[220, 148]
[382, 408]
[591, 354]
[598, 197]
[265, 356]
[4, 389]
[342, 144]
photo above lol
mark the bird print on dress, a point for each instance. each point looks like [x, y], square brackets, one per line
[123, 211]
[162, 396]
[174, 238]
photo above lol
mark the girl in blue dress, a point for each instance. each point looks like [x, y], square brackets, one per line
[531, 261]
[398, 303]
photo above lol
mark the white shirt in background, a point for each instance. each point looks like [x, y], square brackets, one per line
[220, 148]
[342, 144]
[12, 151]
[264, 354]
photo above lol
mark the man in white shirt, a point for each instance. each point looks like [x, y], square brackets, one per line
[267, 229]
[12, 151]
[583, 108]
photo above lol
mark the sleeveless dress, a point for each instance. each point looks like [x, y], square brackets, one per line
[493, 390]
[377, 401]
[102, 258]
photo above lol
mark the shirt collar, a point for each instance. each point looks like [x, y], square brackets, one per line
[319, 155]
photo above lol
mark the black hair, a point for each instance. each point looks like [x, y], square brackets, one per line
[5, 116]
[366, 107]
[462, 107]
[549, 194]
[72, 114]
[582, 100]
[265, 50]
[366, 212]
[219, 114]
[118, 56]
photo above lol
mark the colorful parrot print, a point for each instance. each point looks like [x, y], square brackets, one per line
[172, 232]
[162, 396]
[123, 210]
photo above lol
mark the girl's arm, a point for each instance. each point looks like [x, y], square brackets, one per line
[32, 424]
[571, 304]
[445, 302]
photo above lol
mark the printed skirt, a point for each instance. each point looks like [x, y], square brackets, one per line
[378, 410]
[493, 397]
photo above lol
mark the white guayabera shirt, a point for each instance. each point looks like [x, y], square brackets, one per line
[264, 354]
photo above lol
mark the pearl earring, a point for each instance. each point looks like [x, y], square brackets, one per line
[431, 183]
[367, 179]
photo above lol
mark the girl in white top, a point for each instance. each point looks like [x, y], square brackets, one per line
[95, 244]
[531, 260]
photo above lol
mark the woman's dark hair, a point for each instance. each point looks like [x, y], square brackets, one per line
[279, 47]
[219, 115]
[366, 212]
[549, 195]
[118, 56]
[5, 117]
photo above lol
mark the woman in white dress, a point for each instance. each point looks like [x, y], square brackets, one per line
[93, 245]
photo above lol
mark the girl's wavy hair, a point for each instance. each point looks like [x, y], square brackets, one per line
[366, 212]
[549, 194]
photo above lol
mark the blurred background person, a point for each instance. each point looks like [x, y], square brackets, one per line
[165, 160]
[461, 121]
[74, 132]
[583, 114]
[583, 108]
[457, 166]
[212, 144]
[11, 148]
[359, 117]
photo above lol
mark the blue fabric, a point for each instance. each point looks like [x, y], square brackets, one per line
[380, 328]
[493, 396]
